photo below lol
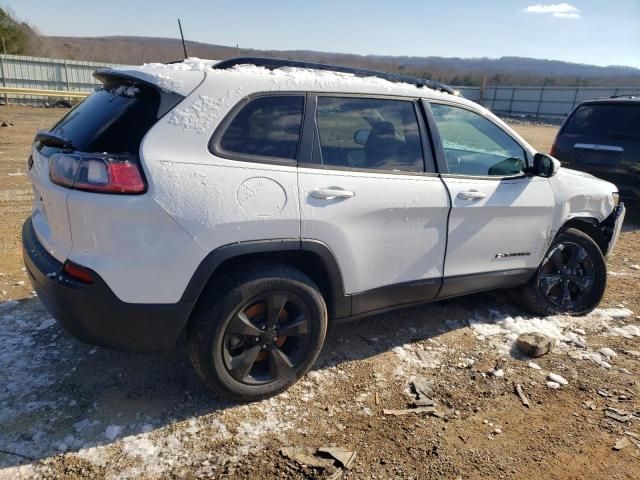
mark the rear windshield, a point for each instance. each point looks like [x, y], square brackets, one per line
[113, 119]
[605, 121]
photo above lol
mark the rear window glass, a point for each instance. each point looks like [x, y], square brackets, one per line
[266, 127]
[605, 121]
[113, 119]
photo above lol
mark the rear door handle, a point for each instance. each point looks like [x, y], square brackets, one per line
[471, 195]
[331, 193]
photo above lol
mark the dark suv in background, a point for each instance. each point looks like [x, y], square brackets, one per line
[602, 137]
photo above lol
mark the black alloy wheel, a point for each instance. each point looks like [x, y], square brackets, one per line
[571, 278]
[567, 276]
[257, 328]
[266, 339]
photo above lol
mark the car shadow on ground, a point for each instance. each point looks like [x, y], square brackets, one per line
[57, 394]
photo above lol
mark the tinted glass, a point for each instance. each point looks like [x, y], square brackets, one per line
[266, 127]
[605, 121]
[369, 133]
[113, 119]
[475, 146]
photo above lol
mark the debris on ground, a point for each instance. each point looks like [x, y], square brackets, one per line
[534, 344]
[305, 459]
[407, 411]
[499, 373]
[534, 366]
[343, 456]
[554, 377]
[523, 398]
[553, 385]
[422, 387]
[621, 443]
[618, 414]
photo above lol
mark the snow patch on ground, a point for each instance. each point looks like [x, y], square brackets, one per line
[415, 357]
[501, 330]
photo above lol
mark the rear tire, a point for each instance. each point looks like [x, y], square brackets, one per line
[257, 330]
[571, 279]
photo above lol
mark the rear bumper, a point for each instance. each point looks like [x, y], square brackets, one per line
[93, 313]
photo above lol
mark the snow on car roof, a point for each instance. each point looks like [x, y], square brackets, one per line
[171, 77]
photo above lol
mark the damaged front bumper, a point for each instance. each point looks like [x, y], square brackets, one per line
[612, 226]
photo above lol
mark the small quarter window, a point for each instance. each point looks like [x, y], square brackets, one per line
[368, 133]
[266, 127]
[474, 145]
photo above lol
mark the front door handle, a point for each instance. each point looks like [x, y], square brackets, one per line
[471, 195]
[331, 193]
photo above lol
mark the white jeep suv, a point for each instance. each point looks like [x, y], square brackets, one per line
[249, 203]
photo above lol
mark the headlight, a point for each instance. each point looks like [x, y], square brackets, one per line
[616, 198]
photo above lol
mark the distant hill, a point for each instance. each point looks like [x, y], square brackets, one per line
[457, 71]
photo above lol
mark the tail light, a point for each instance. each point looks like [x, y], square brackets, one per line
[103, 173]
[553, 148]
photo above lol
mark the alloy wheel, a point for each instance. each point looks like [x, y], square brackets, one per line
[267, 338]
[567, 276]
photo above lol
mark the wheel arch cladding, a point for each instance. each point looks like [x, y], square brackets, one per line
[591, 227]
[312, 258]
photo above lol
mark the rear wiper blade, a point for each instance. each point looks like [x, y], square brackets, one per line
[52, 140]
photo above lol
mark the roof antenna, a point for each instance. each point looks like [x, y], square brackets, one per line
[184, 46]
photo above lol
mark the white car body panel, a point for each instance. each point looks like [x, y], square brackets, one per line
[580, 195]
[138, 250]
[507, 229]
[393, 229]
[49, 216]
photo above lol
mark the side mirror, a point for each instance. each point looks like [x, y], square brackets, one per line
[545, 165]
[361, 136]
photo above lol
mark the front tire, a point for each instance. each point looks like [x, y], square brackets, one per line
[571, 279]
[257, 330]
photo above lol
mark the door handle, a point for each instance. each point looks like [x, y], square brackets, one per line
[471, 195]
[331, 193]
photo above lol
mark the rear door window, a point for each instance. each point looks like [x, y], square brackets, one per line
[267, 126]
[369, 133]
[605, 121]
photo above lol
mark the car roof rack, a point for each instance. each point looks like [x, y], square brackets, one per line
[630, 95]
[273, 63]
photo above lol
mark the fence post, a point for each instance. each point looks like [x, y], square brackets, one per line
[575, 97]
[66, 74]
[513, 92]
[4, 79]
[540, 101]
[484, 84]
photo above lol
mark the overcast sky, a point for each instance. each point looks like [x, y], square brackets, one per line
[585, 31]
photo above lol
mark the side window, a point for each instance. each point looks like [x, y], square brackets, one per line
[266, 127]
[367, 133]
[474, 145]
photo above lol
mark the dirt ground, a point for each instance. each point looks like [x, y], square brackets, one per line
[69, 410]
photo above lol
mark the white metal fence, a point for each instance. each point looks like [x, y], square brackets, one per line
[46, 74]
[540, 102]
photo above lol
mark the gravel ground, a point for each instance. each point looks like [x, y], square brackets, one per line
[69, 410]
